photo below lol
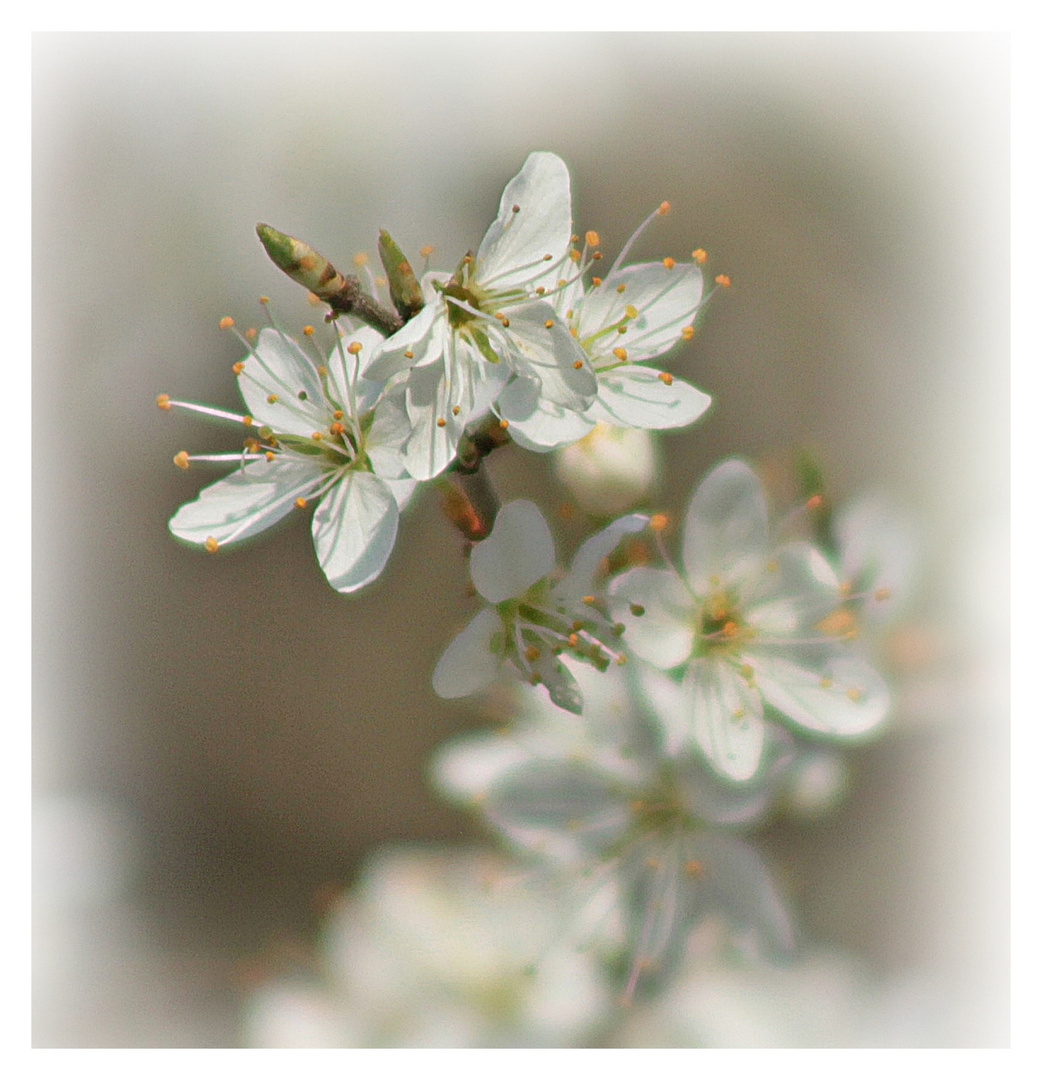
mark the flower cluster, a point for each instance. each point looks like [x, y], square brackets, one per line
[516, 338]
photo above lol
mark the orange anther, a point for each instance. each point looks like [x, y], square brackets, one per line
[226, 323]
[578, 365]
[597, 281]
[354, 348]
[361, 259]
[265, 299]
[620, 353]
[666, 377]
[181, 459]
[814, 502]
[658, 522]
[663, 209]
[163, 401]
[272, 398]
[687, 333]
[251, 334]
[504, 424]
[427, 251]
[441, 421]
[300, 503]
[239, 368]
[693, 868]
[549, 324]
[309, 330]
[269, 455]
[669, 263]
[699, 255]
[723, 281]
[211, 544]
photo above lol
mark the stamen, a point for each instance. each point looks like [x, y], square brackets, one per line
[855, 694]
[238, 368]
[163, 401]
[427, 251]
[361, 259]
[693, 868]
[211, 545]
[455, 410]
[658, 522]
[620, 354]
[273, 398]
[621, 288]
[663, 209]
[687, 333]
[699, 255]
[181, 459]
[300, 503]
[666, 377]
[226, 323]
[723, 281]
[354, 348]
[549, 324]
[578, 365]
[631, 312]
[441, 421]
[593, 238]
[596, 281]
[669, 263]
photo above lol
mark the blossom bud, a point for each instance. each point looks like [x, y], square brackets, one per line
[610, 470]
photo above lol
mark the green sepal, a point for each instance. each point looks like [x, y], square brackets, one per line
[405, 289]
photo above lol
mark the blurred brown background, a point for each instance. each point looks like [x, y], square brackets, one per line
[216, 738]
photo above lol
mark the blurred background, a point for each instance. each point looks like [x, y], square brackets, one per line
[219, 741]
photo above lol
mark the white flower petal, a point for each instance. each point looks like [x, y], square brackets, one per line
[845, 698]
[537, 424]
[429, 398]
[878, 547]
[727, 717]
[517, 241]
[423, 336]
[469, 664]
[354, 529]
[278, 367]
[587, 561]
[664, 633]
[345, 368]
[639, 397]
[248, 501]
[725, 533]
[538, 345]
[516, 554]
[666, 301]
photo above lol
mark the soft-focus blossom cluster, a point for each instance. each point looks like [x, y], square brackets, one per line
[666, 704]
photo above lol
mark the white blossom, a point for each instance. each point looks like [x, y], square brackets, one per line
[319, 435]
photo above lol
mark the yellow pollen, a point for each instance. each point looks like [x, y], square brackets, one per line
[589, 599]
[361, 259]
[841, 621]
[309, 330]
[549, 324]
[441, 421]
[723, 281]
[181, 459]
[669, 263]
[693, 868]
[578, 365]
[211, 544]
[658, 522]
[338, 414]
[883, 594]
[409, 354]
[272, 398]
[699, 255]
[226, 323]
[666, 377]
[163, 401]
[570, 313]
[336, 430]
[855, 694]
[317, 436]
[620, 353]
[248, 420]
[825, 684]
[574, 255]
[427, 251]
[573, 640]
[300, 503]
[592, 238]
[597, 281]
[631, 312]
[269, 455]
[239, 368]
[504, 424]
[620, 288]
[251, 334]
[574, 331]
[532, 654]
[354, 348]
[548, 257]
[265, 299]
[687, 333]
[253, 445]
[663, 209]
[730, 629]
[814, 502]
[455, 410]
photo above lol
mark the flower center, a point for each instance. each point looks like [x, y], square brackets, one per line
[720, 626]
